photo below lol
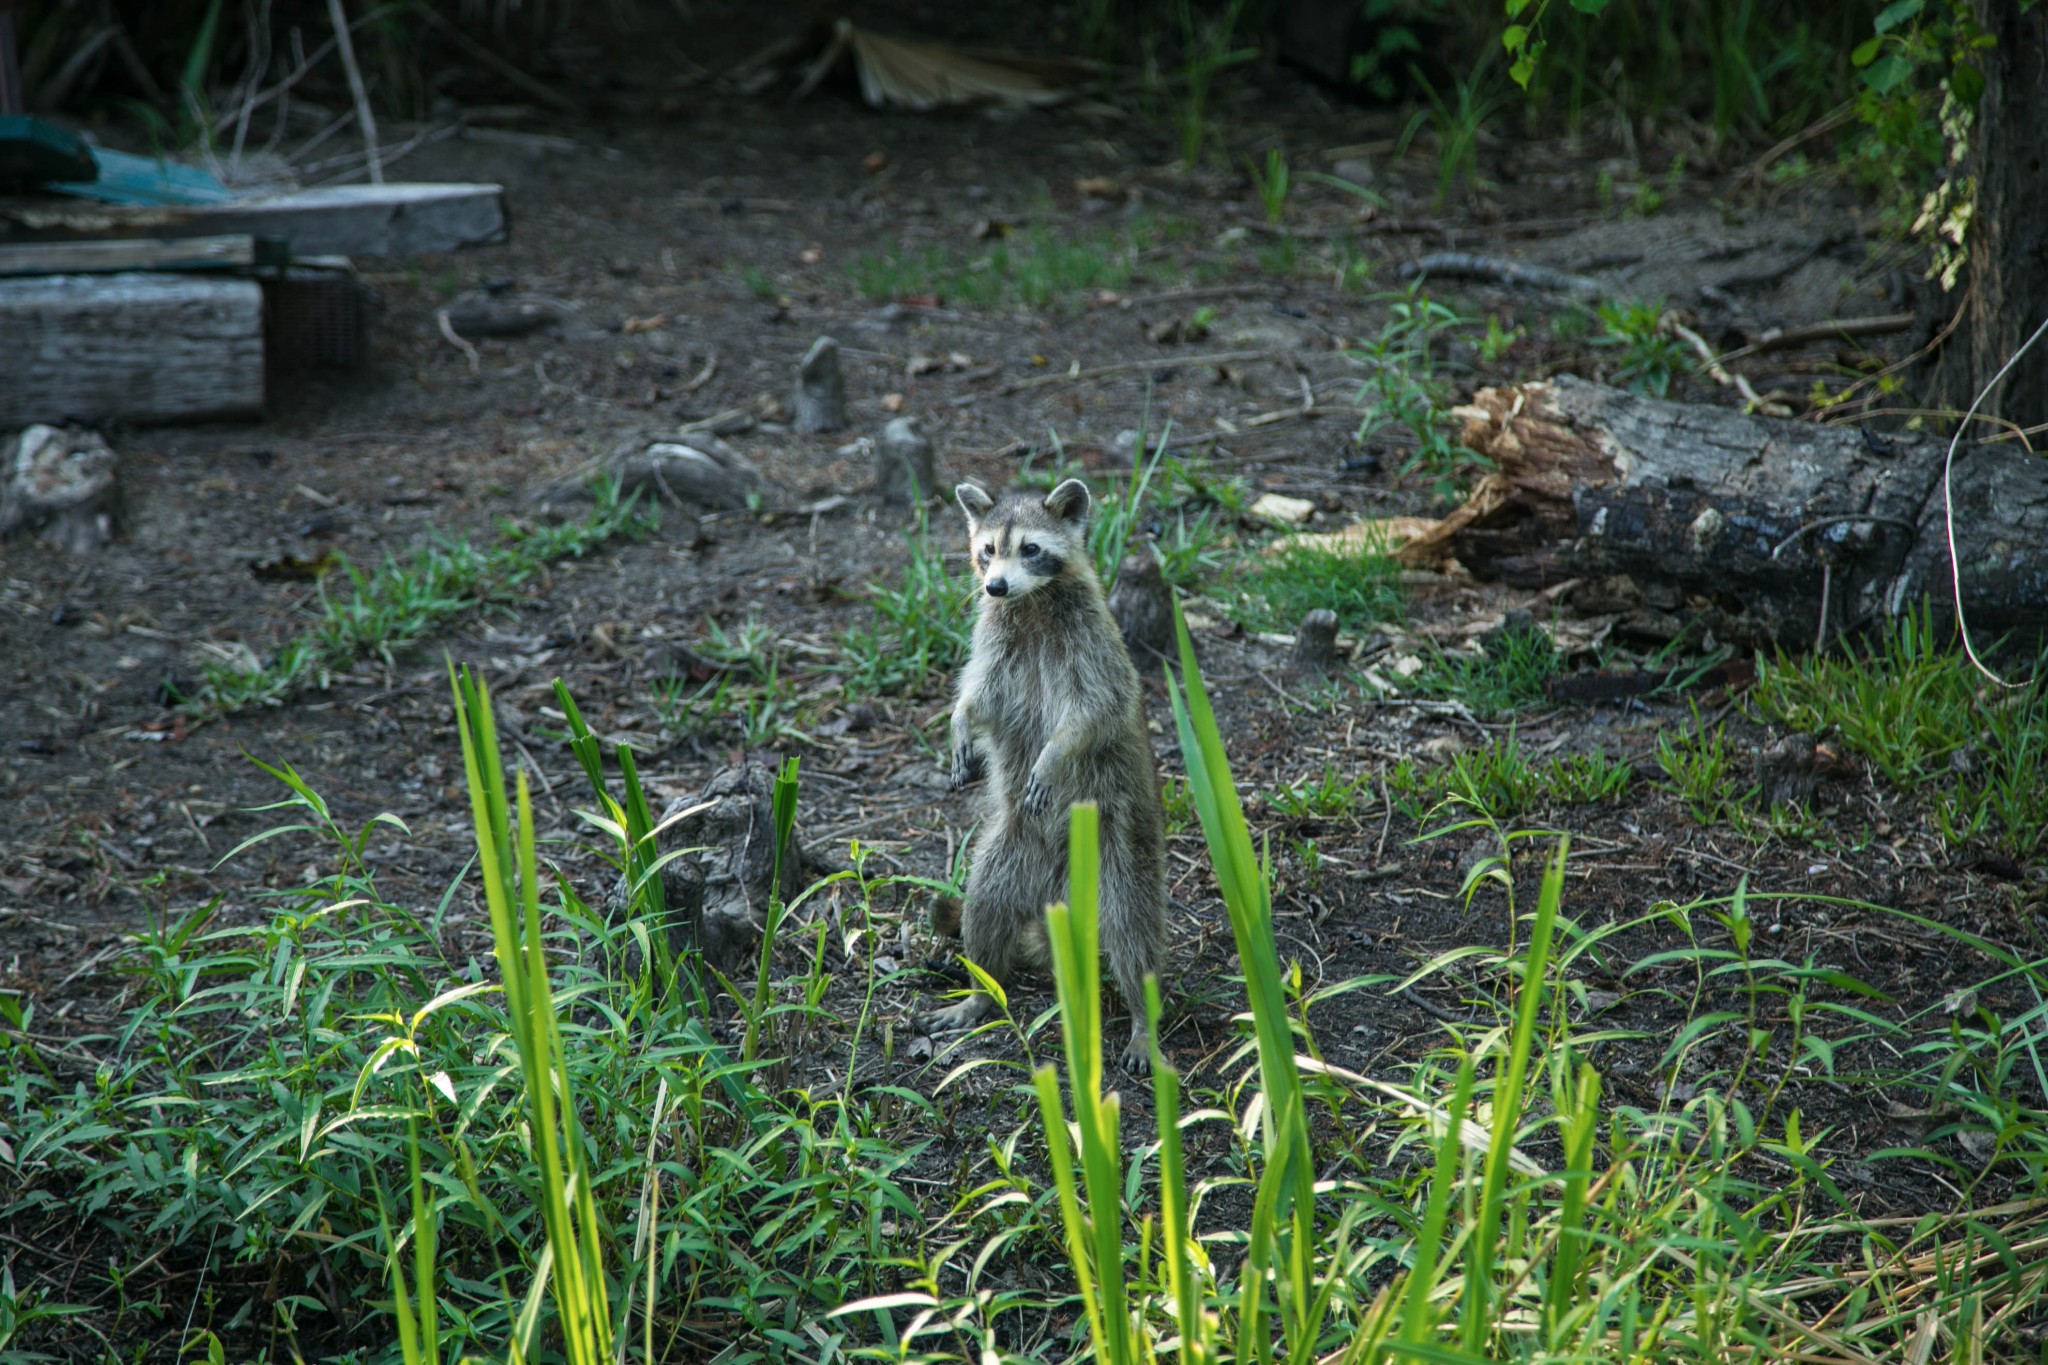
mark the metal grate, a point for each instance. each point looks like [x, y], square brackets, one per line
[312, 320]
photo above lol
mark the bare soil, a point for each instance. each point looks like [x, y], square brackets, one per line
[116, 811]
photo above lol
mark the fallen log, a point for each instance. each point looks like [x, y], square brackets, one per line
[1763, 531]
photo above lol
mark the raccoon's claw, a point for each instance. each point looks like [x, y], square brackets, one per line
[967, 766]
[1037, 797]
[1137, 1055]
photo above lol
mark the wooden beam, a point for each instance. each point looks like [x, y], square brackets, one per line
[137, 347]
[134, 253]
[339, 220]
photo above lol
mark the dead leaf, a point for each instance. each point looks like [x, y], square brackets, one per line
[1376, 535]
[292, 568]
[874, 162]
[892, 402]
[632, 326]
[1098, 187]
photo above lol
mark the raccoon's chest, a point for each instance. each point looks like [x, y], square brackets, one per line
[1030, 684]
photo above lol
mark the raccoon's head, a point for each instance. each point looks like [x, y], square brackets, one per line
[1022, 543]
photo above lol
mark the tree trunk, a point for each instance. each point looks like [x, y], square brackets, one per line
[1764, 531]
[2003, 287]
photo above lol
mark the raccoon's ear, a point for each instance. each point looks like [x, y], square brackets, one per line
[1069, 502]
[973, 501]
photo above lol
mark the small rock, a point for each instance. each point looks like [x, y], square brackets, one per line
[1357, 170]
[1283, 511]
[482, 313]
[820, 401]
[904, 468]
[1143, 607]
[61, 486]
[1786, 770]
[1123, 447]
[1315, 642]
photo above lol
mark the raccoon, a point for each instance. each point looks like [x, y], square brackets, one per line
[1049, 711]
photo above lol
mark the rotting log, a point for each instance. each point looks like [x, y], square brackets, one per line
[1764, 531]
[137, 347]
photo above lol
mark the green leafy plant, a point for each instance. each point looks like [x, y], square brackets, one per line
[1271, 183]
[1455, 120]
[919, 629]
[1703, 773]
[1209, 48]
[1648, 358]
[1402, 388]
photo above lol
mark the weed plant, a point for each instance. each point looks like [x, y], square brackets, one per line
[400, 601]
[1647, 359]
[1928, 722]
[920, 628]
[1402, 388]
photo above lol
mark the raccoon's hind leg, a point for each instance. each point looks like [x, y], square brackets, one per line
[1133, 937]
[1002, 925]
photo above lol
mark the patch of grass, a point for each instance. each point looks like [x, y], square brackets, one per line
[1927, 721]
[1647, 358]
[1704, 774]
[920, 629]
[1040, 268]
[288, 1072]
[1499, 782]
[1274, 591]
[1402, 388]
[1508, 675]
[760, 711]
[758, 283]
[400, 601]
[1324, 796]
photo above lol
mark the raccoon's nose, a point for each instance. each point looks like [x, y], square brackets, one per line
[998, 587]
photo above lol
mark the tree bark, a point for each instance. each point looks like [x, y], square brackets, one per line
[2003, 287]
[1769, 532]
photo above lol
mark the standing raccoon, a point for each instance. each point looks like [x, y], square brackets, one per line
[1050, 712]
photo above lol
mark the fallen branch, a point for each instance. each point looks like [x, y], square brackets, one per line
[1459, 265]
[1077, 374]
[1844, 329]
[1720, 373]
[455, 339]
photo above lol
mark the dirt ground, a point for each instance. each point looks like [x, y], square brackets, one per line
[697, 246]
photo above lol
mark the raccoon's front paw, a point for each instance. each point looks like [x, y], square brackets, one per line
[1137, 1055]
[1037, 798]
[967, 765]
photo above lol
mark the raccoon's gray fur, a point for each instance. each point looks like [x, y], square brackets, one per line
[1050, 711]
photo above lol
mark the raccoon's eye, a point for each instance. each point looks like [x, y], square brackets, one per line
[1029, 548]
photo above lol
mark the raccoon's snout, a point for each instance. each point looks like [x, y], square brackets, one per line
[998, 587]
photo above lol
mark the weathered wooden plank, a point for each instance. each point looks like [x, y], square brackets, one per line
[139, 347]
[134, 253]
[339, 220]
